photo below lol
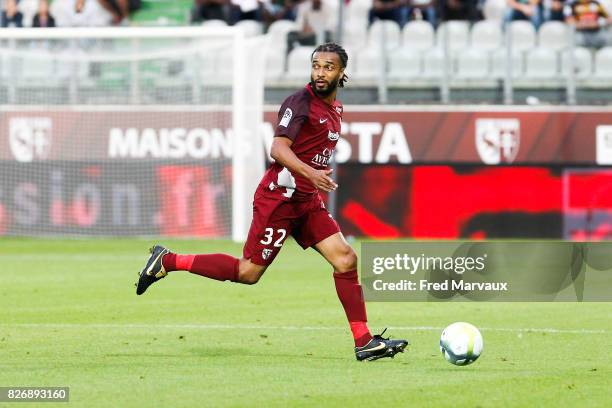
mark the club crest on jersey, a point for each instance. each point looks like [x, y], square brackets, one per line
[265, 254]
[333, 135]
[286, 117]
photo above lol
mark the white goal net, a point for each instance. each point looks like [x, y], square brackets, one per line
[132, 131]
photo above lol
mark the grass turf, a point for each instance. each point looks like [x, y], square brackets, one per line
[70, 317]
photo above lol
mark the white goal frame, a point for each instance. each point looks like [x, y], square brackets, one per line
[246, 107]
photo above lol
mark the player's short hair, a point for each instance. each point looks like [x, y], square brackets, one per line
[338, 50]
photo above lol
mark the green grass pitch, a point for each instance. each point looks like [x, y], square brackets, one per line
[70, 317]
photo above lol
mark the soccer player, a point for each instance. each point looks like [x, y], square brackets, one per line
[287, 202]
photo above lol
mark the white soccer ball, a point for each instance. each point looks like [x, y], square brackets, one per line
[461, 343]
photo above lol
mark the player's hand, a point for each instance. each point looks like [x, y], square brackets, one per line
[321, 180]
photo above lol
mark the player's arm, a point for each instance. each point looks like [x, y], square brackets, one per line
[281, 152]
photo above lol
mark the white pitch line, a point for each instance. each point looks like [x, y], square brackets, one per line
[518, 329]
[261, 327]
[72, 258]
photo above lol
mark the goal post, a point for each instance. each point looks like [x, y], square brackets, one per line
[249, 156]
[136, 131]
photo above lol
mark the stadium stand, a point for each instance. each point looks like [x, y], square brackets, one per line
[355, 36]
[498, 65]
[251, 27]
[299, 63]
[473, 64]
[458, 35]
[214, 23]
[583, 62]
[541, 63]
[369, 63]
[603, 63]
[413, 56]
[523, 35]
[405, 63]
[433, 63]
[162, 13]
[486, 35]
[384, 32]
[418, 35]
[554, 35]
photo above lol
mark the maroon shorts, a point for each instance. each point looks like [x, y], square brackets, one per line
[274, 220]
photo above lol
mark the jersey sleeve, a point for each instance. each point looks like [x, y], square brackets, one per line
[292, 115]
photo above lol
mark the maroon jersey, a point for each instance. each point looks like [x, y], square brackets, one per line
[314, 128]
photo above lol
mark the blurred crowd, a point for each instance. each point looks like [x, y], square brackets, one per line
[268, 11]
[401, 11]
[66, 13]
[317, 19]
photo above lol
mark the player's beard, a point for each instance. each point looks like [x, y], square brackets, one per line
[331, 87]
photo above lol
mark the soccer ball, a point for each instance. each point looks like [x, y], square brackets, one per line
[461, 343]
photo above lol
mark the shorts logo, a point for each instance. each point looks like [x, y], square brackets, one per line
[265, 254]
[286, 117]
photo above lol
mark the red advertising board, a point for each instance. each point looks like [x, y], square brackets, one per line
[380, 136]
[403, 172]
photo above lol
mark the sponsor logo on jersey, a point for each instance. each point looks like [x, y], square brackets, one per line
[265, 254]
[321, 120]
[333, 135]
[286, 117]
[30, 138]
[497, 140]
[322, 159]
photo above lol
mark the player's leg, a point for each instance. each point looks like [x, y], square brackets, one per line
[270, 218]
[320, 231]
[219, 267]
[342, 257]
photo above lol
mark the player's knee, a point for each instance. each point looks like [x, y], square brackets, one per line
[347, 261]
[249, 274]
[249, 279]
